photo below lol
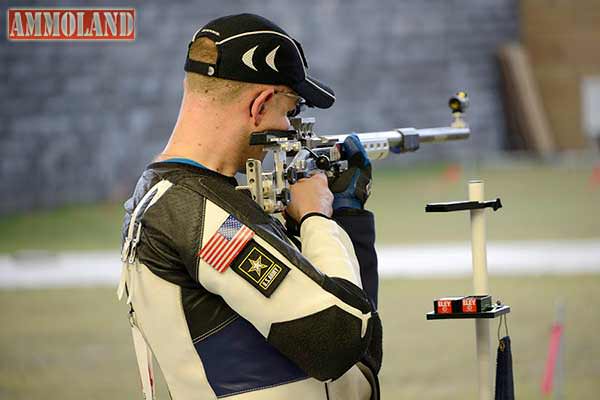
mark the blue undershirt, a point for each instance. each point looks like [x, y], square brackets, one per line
[181, 160]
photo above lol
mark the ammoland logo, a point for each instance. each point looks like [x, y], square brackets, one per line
[70, 24]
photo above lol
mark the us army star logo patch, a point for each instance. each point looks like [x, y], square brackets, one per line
[259, 268]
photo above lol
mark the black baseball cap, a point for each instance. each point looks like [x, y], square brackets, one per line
[253, 49]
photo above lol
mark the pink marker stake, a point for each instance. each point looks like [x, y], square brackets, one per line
[553, 362]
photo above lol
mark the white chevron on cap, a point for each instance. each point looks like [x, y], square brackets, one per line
[270, 60]
[247, 58]
[239, 35]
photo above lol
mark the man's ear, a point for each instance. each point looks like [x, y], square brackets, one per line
[258, 106]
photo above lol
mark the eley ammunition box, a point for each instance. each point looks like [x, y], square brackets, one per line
[476, 304]
[448, 305]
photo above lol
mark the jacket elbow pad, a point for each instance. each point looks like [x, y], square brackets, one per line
[325, 344]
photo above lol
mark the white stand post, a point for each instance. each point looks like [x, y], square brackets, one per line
[480, 286]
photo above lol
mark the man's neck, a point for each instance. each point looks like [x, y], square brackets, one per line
[205, 137]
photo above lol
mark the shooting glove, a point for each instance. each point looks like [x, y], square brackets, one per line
[352, 188]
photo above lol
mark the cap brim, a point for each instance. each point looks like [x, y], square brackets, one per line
[315, 93]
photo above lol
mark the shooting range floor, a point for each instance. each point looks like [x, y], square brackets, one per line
[72, 269]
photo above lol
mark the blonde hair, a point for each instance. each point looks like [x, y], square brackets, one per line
[223, 90]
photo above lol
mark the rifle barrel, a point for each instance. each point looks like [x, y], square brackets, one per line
[443, 134]
[378, 144]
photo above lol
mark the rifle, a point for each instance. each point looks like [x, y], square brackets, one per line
[299, 153]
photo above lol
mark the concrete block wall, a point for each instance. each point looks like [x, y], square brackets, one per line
[80, 120]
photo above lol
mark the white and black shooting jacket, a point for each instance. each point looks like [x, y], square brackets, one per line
[272, 322]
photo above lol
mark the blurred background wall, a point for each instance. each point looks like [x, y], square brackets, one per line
[80, 120]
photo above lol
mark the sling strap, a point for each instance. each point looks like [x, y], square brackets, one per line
[129, 267]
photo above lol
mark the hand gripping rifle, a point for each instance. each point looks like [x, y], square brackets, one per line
[299, 153]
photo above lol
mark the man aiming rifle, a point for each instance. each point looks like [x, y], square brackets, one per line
[229, 302]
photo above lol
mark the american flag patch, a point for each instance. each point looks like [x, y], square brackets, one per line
[227, 242]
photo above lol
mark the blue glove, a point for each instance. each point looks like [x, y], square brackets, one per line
[352, 188]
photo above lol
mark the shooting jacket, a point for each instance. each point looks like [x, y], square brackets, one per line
[276, 322]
